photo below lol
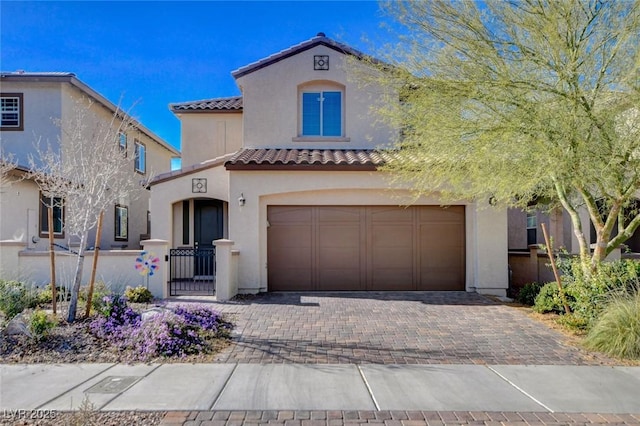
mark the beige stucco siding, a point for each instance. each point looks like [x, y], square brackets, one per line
[271, 100]
[42, 107]
[164, 197]
[209, 135]
[486, 231]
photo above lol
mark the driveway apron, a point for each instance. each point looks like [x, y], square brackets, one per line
[391, 328]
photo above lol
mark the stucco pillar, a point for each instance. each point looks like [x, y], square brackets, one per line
[226, 282]
[158, 281]
[492, 264]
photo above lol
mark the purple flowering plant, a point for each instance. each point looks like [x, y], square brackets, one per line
[201, 316]
[182, 331]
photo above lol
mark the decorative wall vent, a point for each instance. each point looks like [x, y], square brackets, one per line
[321, 62]
[199, 186]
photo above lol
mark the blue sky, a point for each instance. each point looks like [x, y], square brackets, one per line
[153, 53]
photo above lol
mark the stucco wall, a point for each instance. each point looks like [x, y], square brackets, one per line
[165, 196]
[19, 212]
[42, 106]
[209, 135]
[486, 231]
[271, 104]
[44, 103]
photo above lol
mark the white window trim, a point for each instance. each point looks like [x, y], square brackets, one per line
[322, 86]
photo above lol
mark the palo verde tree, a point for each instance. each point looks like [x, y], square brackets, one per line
[88, 171]
[525, 101]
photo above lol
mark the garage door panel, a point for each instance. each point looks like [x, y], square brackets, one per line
[366, 248]
[341, 279]
[291, 279]
[392, 280]
[339, 236]
[392, 235]
[289, 215]
[391, 214]
[436, 214]
[290, 236]
[339, 214]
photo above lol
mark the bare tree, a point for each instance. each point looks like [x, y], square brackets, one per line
[88, 172]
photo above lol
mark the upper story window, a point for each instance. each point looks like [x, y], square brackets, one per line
[140, 160]
[122, 142]
[11, 111]
[322, 113]
[321, 110]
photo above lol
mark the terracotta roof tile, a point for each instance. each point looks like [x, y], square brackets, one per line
[233, 103]
[320, 39]
[301, 158]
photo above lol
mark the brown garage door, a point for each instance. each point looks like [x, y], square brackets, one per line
[321, 248]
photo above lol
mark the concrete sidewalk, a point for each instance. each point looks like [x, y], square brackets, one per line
[365, 387]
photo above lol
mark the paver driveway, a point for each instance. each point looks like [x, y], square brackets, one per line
[391, 328]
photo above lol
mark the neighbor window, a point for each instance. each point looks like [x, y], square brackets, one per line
[532, 228]
[140, 157]
[11, 111]
[122, 142]
[58, 215]
[321, 113]
[122, 223]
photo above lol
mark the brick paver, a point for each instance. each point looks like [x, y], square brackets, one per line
[392, 328]
[407, 418]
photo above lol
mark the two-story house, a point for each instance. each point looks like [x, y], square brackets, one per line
[33, 106]
[288, 173]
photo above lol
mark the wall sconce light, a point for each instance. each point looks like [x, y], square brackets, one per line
[492, 201]
[241, 200]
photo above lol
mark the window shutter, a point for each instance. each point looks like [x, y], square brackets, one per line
[332, 114]
[311, 114]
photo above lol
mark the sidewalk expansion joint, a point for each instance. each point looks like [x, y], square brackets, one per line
[366, 383]
[525, 393]
[76, 386]
[130, 386]
[226, 382]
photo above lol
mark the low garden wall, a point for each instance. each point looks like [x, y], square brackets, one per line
[116, 268]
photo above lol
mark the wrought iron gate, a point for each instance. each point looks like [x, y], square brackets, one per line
[192, 271]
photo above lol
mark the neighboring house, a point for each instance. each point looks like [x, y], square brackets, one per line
[31, 103]
[287, 172]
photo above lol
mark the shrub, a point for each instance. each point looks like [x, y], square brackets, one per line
[527, 294]
[41, 322]
[548, 299]
[201, 316]
[15, 297]
[115, 316]
[139, 294]
[165, 334]
[100, 291]
[617, 330]
[45, 295]
[588, 294]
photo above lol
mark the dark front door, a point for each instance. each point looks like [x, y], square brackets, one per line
[208, 227]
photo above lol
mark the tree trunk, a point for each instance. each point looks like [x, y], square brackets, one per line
[96, 251]
[52, 259]
[75, 291]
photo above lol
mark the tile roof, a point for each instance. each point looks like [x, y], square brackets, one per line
[286, 159]
[319, 39]
[232, 103]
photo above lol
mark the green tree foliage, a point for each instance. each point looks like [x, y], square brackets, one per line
[524, 101]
